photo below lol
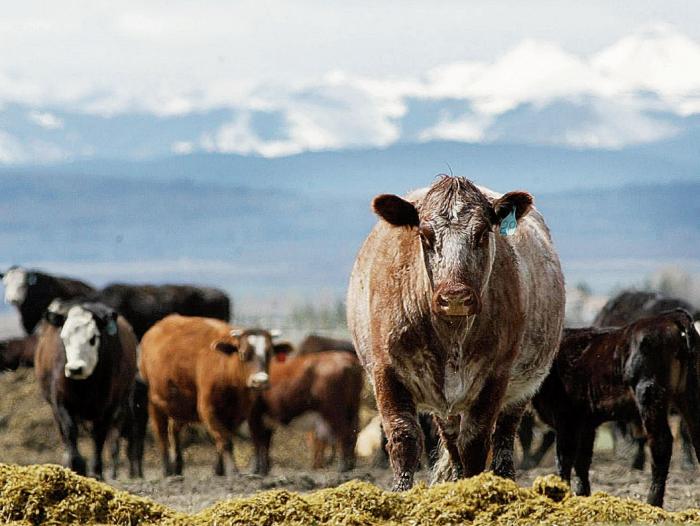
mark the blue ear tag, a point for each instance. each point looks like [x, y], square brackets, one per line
[509, 224]
[111, 328]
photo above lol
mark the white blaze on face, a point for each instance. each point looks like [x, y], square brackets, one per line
[81, 339]
[259, 344]
[15, 281]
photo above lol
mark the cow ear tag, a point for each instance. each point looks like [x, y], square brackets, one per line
[112, 328]
[509, 224]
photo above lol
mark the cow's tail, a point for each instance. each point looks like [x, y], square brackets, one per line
[443, 471]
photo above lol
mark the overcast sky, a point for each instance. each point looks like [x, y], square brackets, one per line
[174, 57]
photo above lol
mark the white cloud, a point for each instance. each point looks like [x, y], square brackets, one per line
[46, 120]
[182, 147]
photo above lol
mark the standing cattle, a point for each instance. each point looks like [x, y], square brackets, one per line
[450, 316]
[328, 383]
[32, 291]
[626, 307]
[144, 305]
[202, 370]
[628, 373]
[17, 352]
[85, 364]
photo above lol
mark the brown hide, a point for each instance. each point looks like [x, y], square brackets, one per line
[486, 358]
[195, 372]
[328, 383]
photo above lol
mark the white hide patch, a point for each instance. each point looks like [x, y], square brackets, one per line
[257, 342]
[15, 281]
[81, 339]
[697, 326]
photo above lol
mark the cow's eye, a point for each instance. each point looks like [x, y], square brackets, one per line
[427, 234]
[93, 340]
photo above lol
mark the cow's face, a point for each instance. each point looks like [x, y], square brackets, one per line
[255, 348]
[17, 282]
[456, 224]
[82, 331]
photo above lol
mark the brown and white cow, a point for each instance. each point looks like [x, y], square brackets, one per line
[450, 316]
[203, 370]
[327, 383]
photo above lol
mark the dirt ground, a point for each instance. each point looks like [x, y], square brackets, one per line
[28, 435]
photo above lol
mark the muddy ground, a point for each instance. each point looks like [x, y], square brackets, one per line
[28, 435]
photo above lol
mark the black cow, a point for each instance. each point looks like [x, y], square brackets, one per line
[635, 372]
[85, 364]
[144, 305]
[31, 291]
[626, 307]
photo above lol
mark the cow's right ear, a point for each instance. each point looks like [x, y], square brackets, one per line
[395, 211]
[224, 346]
[55, 318]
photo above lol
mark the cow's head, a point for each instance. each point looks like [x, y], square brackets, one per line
[456, 224]
[83, 328]
[17, 281]
[255, 348]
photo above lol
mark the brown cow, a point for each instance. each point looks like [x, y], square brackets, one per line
[450, 316]
[328, 383]
[203, 370]
[17, 352]
[85, 364]
[626, 373]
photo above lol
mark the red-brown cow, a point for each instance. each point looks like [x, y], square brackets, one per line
[203, 370]
[328, 383]
[451, 316]
[626, 373]
[17, 352]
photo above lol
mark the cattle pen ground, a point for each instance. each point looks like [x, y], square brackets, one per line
[28, 436]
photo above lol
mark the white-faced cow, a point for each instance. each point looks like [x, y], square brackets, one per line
[85, 364]
[31, 291]
[451, 316]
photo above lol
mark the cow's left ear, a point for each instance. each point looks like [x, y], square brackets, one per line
[520, 202]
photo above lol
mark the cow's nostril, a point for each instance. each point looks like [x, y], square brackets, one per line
[442, 301]
[469, 300]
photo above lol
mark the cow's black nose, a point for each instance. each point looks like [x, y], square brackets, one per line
[75, 371]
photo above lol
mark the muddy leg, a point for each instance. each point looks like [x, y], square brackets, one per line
[159, 421]
[261, 436]
[582, 464]
[504, 440]
[175, 435]
[399, 419]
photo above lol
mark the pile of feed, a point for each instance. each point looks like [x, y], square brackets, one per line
[52, 495]
[49, 494]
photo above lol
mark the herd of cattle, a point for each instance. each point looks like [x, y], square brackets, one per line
[456, 310]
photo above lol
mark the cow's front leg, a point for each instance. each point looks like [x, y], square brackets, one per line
[477, 426]
[400, 422]
[504, 440]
